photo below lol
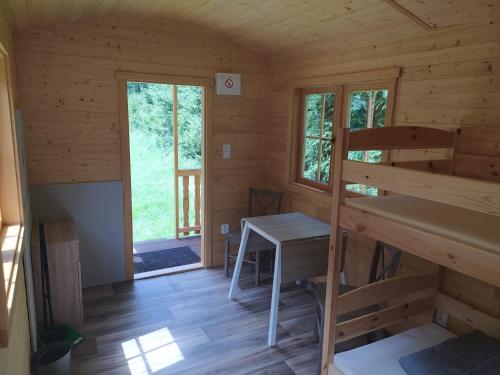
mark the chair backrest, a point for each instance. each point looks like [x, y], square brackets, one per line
[381, 267]
[343, 251]
[263, 202]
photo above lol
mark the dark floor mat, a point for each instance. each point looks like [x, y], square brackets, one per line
[156, 260]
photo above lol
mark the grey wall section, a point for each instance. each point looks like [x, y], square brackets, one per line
[97, 209]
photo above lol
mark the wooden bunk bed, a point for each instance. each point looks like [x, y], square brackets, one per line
[426, 210]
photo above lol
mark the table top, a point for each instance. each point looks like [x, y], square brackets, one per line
[290, 227]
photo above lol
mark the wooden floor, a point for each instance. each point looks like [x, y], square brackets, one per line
[185, 324]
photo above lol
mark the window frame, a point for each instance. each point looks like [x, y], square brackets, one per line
[385, 78]
[12, 214]
[300, 139]
[386, 84]
[390, 85]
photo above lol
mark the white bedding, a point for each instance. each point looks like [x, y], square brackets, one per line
[470, 227]
[382, 357]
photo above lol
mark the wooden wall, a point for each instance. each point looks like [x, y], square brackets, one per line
[449, 79]
[68, 93]
[15, 359]
[69, 98]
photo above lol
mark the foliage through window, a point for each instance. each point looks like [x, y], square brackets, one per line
[321, 111]
[151, 114]
[367, 109]
[317, 137]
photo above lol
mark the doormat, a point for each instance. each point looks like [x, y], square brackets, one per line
[159, 259]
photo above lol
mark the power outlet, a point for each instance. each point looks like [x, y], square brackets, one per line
[224, 229]
[442, 318]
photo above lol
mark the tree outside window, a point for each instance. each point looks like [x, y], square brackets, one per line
[316, 137]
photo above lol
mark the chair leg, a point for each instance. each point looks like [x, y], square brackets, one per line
[320, 346]
[257, 268]
[271, 261]
[316, 327]
[227, 247]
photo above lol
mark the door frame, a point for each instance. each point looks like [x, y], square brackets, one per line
[207, 84]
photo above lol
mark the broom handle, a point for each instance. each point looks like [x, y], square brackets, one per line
[46, 278]
[40, 231]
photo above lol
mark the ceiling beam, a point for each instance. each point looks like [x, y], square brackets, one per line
[412, 17]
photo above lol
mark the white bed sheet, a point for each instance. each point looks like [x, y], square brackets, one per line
[382, 357]
[470, 227]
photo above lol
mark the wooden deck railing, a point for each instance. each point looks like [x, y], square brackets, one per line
[184, 177]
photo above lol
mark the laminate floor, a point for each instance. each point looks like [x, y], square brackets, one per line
[185, 324]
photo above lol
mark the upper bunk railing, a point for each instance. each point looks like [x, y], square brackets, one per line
[400, 138]
[468, 193]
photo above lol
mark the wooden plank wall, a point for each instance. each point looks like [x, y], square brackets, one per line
[15, 359]
[449, 79]
[69, 98]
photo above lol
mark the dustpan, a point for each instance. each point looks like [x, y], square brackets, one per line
[58, 333]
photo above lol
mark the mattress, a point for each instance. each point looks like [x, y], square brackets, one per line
[382, 357]
[469, 227]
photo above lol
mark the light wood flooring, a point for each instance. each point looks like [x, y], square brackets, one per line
[185, 324]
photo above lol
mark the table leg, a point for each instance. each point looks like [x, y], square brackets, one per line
[273, 320]
[239, 261]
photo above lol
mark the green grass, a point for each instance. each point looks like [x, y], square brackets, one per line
[153, 194]
[153, 209]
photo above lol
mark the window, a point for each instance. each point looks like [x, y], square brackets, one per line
[11, 229]
[319, 112]
[318, 120]
[367, 108]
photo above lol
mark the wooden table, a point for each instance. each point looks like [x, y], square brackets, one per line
[301, 252]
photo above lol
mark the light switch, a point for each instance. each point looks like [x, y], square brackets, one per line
[226, 151]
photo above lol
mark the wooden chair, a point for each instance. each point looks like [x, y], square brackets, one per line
[379, 270]
[260, 203]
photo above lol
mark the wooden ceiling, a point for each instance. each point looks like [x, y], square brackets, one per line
[269, 27]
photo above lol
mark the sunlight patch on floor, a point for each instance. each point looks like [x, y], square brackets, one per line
[152, 352]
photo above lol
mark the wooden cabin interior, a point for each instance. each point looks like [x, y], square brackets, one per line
[366, 132]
